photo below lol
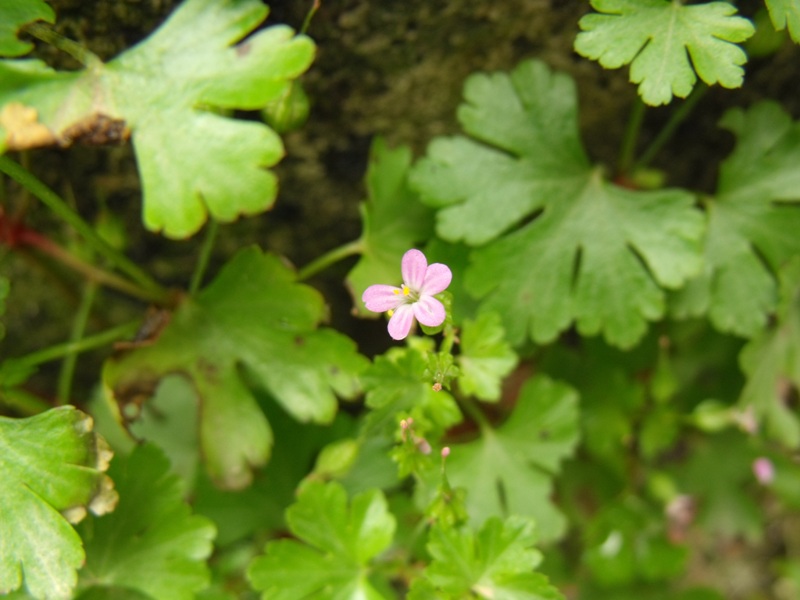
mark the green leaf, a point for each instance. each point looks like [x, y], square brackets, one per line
[259, 508]
[611, 399]
[666, 43]
[52, 468]
[495, 563]
[785, 14]
[152, 544]
[169, 420]
[485, 358]
[394, 221]
[166, 94]
[336, 544]
[13, 15]
[627, 542]
[752, 223]
[509, 470]
[397, 388]
[716, 475]
[527, 121]
[772, 363]
[253, 322]
[593, 252]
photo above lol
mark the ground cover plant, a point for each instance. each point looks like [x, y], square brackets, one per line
[561, 379]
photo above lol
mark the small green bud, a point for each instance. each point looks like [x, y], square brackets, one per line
[289, 111]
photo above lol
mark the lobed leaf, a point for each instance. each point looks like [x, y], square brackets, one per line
[252, 323]
[485, 358]
[771, 361]
[509, 470]
[169, 94]
[668, 44]
[583, 250]
[338, 543]
[785, 14]
[752, 223]
[496, 562]
[393, 221]
[52, 468]
[395, 385]
[152, 544]
[13, 15]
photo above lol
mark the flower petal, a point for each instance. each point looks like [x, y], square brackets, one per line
[380, 298]
[437, 278]
[413, 267]
[429, 311]
[401, 322]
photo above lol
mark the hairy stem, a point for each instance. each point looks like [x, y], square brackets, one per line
[23, 402]
[329, 258]
[48, 35]
[668, 130]
[475, 413]
[67, 372]
[54, 202]
[311, 12]
[205, 254]
[98, 340]
[631, 136]
[91, 272]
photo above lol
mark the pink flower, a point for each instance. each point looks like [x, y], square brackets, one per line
[764, 470]
[414, 298]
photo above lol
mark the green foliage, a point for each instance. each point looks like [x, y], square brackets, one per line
[396, 388]
[497, 562]
[626, 542]
[617, 371]
[393, 221]
[13, 15]
[53, 469]
[5, 286]
[668, 44]
[252, 322]
[716, 473]
[753, 223]
[289, 111]
[597, 254]
[785, 14]
[486, 358]
[772, 363]
[151, 544]
[339, 541]
[509, 470]
[162, 93]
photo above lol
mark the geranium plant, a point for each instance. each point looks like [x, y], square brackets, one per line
[587, 384]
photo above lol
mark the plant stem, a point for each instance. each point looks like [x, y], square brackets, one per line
[312, 11]
[475, 413]
[44, 33]
[67, 373]
[23, 402]
[205, 255]
[329, 258]
[91, 272]
[631, 136]
[666, 132]
[54, 202]
[448, 340]
[82, 345]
